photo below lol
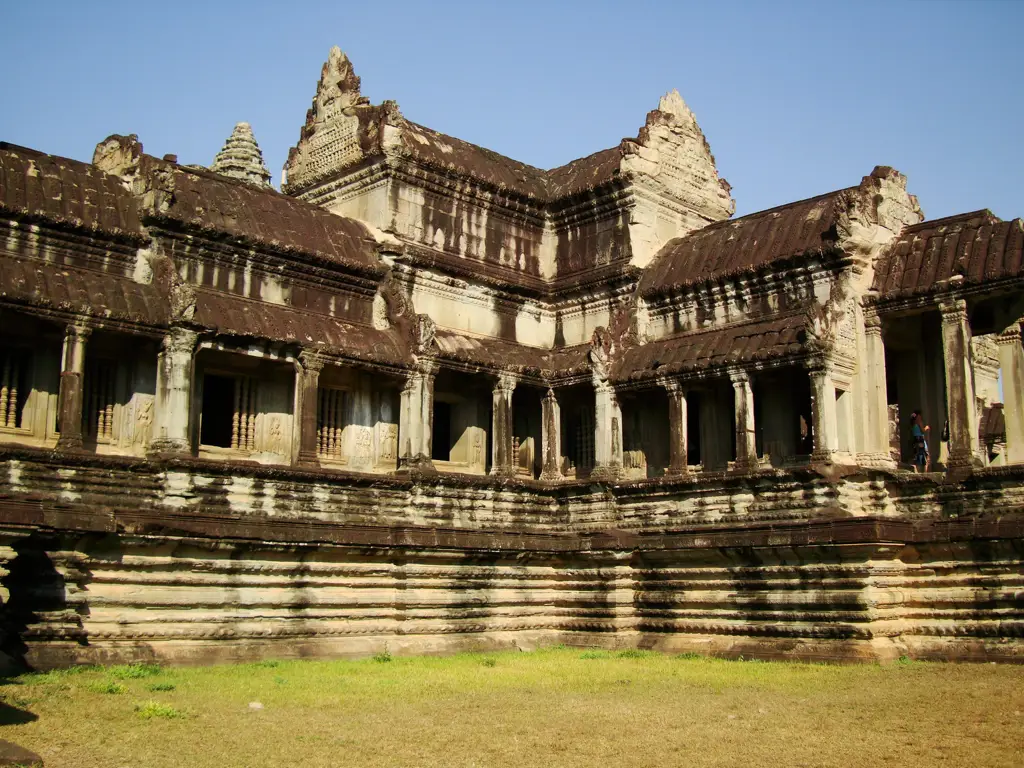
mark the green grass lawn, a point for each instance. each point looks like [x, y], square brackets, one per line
[556, 707]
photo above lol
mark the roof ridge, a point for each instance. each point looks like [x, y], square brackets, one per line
[953, 219]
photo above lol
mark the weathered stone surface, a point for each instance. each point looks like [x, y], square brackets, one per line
[447, 400]
[241, 158]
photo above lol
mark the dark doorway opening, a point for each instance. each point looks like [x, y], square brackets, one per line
[441, 435]
[218, 410]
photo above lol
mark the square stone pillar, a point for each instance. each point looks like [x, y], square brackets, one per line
[307, 384]
[607, 432]
[823, 414]
[677, 429]
[876, 427]
[502, 460]
[173, 403]
[1011, 365]
[746, 437]
[416, 421]
[961, 409]
[551, 437]
[70, 397]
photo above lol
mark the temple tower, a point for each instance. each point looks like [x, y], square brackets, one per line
[241, 158]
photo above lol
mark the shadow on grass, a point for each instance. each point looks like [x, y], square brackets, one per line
[13, 716]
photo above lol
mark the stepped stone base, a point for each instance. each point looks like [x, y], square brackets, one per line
[186, 562]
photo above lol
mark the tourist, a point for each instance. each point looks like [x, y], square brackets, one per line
[919, 439]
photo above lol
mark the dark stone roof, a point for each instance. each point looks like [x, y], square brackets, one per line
[233, 316]
[65, 193]
[745, 244]
[82, 292]
[584, 174]
[218, 206]
[977, 246]
[510, 356]
[716, 347]
[444, 152]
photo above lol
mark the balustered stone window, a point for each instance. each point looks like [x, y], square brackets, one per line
[229, 412]
[330, 424]
[29, 382]
[243, 408]
[15, 377]
[100, 401]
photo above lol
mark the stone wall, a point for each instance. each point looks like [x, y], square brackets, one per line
[113, 558]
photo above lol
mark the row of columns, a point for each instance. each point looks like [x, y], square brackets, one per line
[174, 386]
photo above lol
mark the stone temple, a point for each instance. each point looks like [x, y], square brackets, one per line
[430, 397]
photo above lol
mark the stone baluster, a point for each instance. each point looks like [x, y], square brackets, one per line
[677, 429]
[1011, 365]
[417, 420]
[746, 437]
[960, 406]
[551, 437]
[173, 403]
[503, 458]
[823, 414]
[607, 432]
[308, 386]
[71, 387]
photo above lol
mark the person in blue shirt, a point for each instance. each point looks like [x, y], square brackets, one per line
[919, 439]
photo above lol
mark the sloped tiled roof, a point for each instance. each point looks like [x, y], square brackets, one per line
[510, 356]
[444, 152]
[235, 316]
[82, 292]
[65, 193]
[218, 205]
[727, 345]
[740, 245]
[977, 246]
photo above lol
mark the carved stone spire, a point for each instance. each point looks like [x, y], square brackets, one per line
[242, 159]
[331, 138]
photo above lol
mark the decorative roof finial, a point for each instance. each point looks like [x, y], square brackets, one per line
[242, 159]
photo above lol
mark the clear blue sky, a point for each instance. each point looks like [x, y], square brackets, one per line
[795, 98]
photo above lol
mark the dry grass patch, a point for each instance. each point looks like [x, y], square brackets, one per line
[556, 707]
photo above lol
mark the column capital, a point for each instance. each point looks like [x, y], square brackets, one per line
[672, 386]
[819, 366]
[739, 377]
[312, 360]
[425, 366]
[1010, 336]
[952, 308]
[179, 340]
[506, 382]
[77, 330]
[872, 323]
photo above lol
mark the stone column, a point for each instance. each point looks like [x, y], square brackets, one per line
[502, 460]
[416, 421]
[607, 432]
[1011, 365]
[71, 382]
[677, 429]
[877, 406]
[823, 413]
[173, 402]
[960, 406]
[746, 439]
[551, 437]
[308, 385]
